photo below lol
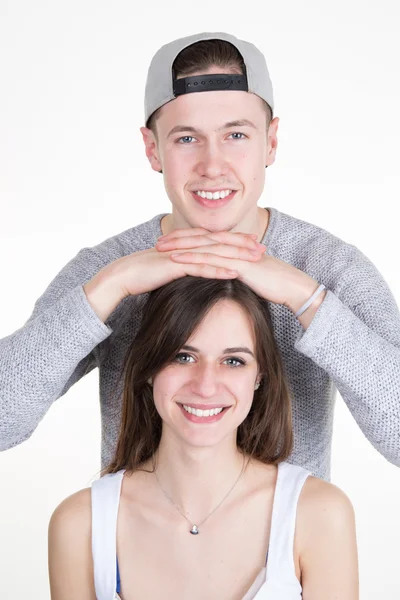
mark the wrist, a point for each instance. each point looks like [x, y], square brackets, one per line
[308, 309]
[306, 318]
[302, 293]
[103, 294]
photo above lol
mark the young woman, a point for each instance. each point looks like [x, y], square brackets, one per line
[200, 501]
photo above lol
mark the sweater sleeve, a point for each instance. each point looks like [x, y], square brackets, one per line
[55, 348]
[355, 337]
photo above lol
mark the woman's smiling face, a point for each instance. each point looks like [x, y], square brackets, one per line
[216, 368]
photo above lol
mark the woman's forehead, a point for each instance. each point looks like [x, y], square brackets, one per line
[227, 324]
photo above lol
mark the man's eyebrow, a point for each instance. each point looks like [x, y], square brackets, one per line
[181, 129]
[239, 123]
[228, 125]
[226, 351]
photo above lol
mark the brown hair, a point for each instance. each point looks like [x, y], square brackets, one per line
[200, 57]
[171, 315]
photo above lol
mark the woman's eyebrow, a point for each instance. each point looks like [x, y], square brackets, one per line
[190, 129]
[226, 351]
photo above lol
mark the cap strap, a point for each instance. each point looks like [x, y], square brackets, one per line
[208, 83]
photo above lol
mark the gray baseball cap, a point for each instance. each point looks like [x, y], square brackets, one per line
[161, 87]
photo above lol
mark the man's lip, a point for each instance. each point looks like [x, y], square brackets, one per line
[213, 204]
[213, 190]
[205, 406]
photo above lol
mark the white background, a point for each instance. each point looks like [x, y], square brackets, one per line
[73, 173]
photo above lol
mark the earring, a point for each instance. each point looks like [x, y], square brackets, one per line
[257, 385]
[150, 381]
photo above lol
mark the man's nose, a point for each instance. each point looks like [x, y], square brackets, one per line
[212, 163]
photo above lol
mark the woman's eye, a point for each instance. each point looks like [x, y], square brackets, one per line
[182, 357]
[235, 362]
[185, 139]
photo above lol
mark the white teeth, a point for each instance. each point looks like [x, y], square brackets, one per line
[202, 413]
[214, 195]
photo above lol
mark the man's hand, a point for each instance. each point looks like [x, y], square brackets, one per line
[142, 272]
[269, 277]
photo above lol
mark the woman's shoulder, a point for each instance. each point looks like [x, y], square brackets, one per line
[70, 559]
[324, 514]
[325, 541]
[73, 515]
[319, 496]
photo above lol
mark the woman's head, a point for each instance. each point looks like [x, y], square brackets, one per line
[204, 344]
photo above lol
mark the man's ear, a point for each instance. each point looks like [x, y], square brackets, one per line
[272, 141]
[151, 149]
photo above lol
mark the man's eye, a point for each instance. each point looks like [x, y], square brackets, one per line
[182, 357]
[235, 362]
[238, 133]
[185, 139]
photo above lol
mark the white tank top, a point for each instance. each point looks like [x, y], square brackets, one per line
[276, 580]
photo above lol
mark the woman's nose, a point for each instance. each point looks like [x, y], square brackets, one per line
[205, 381]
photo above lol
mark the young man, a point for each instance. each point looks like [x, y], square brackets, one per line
[210, 130]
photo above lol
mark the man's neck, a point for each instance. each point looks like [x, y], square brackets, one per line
[167, 224]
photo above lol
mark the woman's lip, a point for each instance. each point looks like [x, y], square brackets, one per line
[204, 406]
[196, 419]
[213, 203]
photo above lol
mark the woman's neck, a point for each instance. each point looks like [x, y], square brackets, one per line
[197, 479]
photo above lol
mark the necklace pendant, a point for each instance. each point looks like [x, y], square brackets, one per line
[194, 530]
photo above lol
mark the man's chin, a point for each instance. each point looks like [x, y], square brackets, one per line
[213, 221]
[216, 221]
[214, 226]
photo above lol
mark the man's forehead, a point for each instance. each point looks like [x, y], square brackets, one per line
[212, 111]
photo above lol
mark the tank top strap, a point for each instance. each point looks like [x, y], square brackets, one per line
[106, 493]
[290, 481]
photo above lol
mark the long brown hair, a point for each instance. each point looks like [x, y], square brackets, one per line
[171, 315]
[200, 57]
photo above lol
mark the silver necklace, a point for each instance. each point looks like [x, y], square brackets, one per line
[195, 528]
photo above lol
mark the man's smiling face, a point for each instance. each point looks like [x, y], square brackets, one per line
[213, 142]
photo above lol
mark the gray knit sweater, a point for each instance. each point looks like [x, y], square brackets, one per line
[352, 344]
